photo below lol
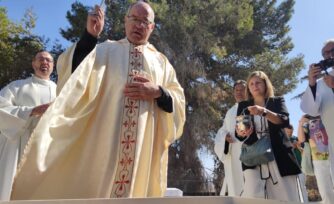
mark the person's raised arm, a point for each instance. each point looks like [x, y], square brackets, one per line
[94, 27]
[313, 73]
[95, 22]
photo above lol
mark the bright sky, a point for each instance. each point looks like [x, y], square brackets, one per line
[312, 23]
[51, 14]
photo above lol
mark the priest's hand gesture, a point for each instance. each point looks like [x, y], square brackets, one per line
[142, 89]
[229, 138]
[95, 21]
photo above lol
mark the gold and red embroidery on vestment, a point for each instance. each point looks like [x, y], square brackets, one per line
[128, 140]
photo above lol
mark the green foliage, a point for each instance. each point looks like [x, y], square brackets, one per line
[114, 23]
[55, 51]
[17, 47]
[211, 44]
[77, 18]
[29, 20]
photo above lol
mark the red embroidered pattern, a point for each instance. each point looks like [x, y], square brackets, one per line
[122, 184]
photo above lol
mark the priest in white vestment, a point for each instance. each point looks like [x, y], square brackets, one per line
[21, 104]
[228, 148]
[318, 98]
[107, 133]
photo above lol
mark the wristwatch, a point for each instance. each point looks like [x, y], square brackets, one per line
[264, 113]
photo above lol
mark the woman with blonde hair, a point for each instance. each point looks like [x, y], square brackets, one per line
[276, 178]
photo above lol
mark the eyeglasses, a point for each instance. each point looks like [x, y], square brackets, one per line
[328, 52]
[137, 21]
[41, 59]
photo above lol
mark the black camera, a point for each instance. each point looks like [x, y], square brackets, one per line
[325, 64]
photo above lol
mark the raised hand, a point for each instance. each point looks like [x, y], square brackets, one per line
[95, 21]
[313, 74]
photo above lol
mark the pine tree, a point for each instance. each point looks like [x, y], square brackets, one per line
[17, 47]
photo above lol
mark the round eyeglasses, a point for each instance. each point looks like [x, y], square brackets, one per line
[42, 59]
[137, 21]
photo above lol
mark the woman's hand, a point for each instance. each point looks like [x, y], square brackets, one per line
[256, 110]
[264, 112]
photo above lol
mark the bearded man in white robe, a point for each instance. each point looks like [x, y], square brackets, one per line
[228, 148]
[107, 134]
[318, 98]
[22, 102]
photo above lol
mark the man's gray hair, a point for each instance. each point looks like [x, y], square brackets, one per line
[143, 2]
[327, 42]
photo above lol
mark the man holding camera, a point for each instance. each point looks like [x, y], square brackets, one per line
[318, 98]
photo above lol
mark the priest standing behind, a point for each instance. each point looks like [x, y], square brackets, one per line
[228, 148]
[22, 102]
[107, 134]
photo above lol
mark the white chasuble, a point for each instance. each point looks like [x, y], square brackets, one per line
[95, 143]
[17, 100]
